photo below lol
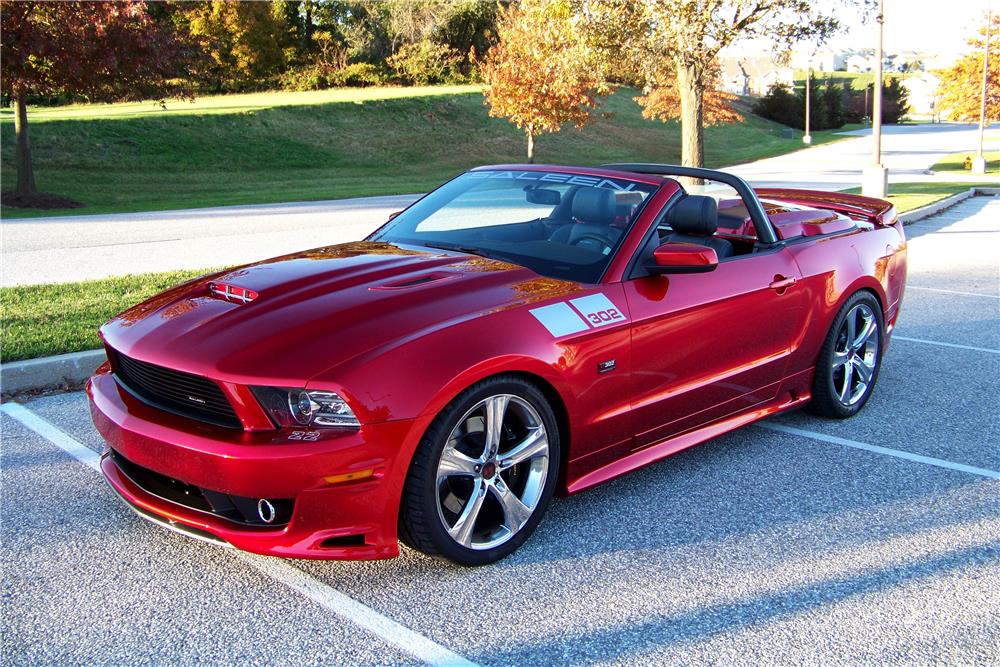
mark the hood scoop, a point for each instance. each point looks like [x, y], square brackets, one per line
[415, 281]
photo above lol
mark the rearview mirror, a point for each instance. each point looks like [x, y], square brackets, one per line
[683, 258]
[542, 196]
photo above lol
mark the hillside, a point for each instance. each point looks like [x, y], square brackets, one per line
[275, 147]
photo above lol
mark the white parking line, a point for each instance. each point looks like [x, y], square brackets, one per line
[943, 344]
[951, 291]
[897, 453]
[57, 437]
[329, 598]
[352, 610]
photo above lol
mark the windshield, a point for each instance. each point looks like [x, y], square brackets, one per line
[557, 224]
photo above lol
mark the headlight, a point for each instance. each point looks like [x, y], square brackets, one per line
[299, 407]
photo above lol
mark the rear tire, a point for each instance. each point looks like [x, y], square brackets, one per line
[850, 359]
[483, 474]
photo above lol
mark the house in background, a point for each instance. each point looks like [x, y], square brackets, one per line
[922, 94]
[824, 60]
[753, 75]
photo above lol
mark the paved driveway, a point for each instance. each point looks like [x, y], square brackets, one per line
[800, 540]
[62, 249]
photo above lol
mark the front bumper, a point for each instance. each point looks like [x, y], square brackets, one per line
[333, 516]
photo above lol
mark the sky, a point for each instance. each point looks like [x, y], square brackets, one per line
[937, 26]
[932, 26]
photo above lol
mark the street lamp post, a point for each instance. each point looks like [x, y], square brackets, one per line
[807, 138]
[875, 178]
[979, 163]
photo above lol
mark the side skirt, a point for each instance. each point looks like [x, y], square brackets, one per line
[677, 443]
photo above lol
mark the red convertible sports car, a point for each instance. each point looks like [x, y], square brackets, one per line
[520, 331]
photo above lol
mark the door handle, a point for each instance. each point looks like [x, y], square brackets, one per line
[782, 283]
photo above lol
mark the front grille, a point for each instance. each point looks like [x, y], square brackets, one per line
[234, 508]
[176, 392]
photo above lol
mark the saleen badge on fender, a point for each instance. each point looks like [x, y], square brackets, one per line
[521, 331]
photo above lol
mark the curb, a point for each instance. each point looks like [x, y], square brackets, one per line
[74, 368]
[49, 372]
[942, 204]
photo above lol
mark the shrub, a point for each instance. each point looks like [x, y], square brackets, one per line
[779, 105]
[309, 77]
[426, 62]
[826, 106]
[359, 75]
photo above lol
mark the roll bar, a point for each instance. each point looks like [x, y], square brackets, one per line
[765, 232]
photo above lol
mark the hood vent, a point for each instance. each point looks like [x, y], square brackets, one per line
[415, 281]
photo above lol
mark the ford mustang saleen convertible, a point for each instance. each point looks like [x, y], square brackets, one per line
[520, 331]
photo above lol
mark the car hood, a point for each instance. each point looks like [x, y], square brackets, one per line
[320, 308]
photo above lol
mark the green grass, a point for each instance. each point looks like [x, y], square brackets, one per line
[41, 320]
[855, 80]
[910, 196]
[956, 162]
[287, 146]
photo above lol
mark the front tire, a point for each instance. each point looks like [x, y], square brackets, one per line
[850, 359]
[483, 474]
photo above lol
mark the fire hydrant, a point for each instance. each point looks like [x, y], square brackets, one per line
[967, 163]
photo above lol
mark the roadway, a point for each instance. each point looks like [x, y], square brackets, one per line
[802, 540]
[72, 248]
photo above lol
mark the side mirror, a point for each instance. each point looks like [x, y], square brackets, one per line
[542, 196]
[392, 216]
[683, 258]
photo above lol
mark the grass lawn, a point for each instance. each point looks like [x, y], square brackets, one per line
[41, 320]
[910, 196]
[956, 162]
[289, 146]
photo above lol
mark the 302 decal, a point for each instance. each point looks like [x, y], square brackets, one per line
[604, 316]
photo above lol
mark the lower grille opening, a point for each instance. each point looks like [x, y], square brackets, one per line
[344, 541]
[238, 509]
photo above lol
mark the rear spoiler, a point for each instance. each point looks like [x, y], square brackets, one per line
[877, 211]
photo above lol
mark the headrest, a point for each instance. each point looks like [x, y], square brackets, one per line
[696, 215]
[595, 206]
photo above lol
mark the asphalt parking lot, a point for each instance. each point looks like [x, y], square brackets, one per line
[870, 541]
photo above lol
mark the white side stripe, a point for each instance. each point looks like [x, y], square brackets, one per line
[951, 291]
[897, 453]
[352, 610]
[943, 344]
[57, 437]
[329, 598]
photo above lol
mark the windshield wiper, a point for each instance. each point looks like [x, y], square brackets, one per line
[454, 247]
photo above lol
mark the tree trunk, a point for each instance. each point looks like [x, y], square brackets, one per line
[530, 131]
[22, 153]
[691, 85]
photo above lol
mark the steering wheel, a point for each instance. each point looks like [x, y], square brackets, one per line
[604, 242]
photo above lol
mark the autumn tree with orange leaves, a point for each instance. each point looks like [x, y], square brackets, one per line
[961, 87]
[541, 73]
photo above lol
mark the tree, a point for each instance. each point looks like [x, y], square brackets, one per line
[961, 84]
[243, 40]
[540, 74]
[676, 45]
[98, 51]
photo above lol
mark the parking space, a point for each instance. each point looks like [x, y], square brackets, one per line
[762, 546]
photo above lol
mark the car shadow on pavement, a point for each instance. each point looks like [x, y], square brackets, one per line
[702, 623]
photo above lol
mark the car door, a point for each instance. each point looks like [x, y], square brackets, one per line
[705, 345]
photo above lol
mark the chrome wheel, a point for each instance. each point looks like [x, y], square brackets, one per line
[855, 354]
[491, 473]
